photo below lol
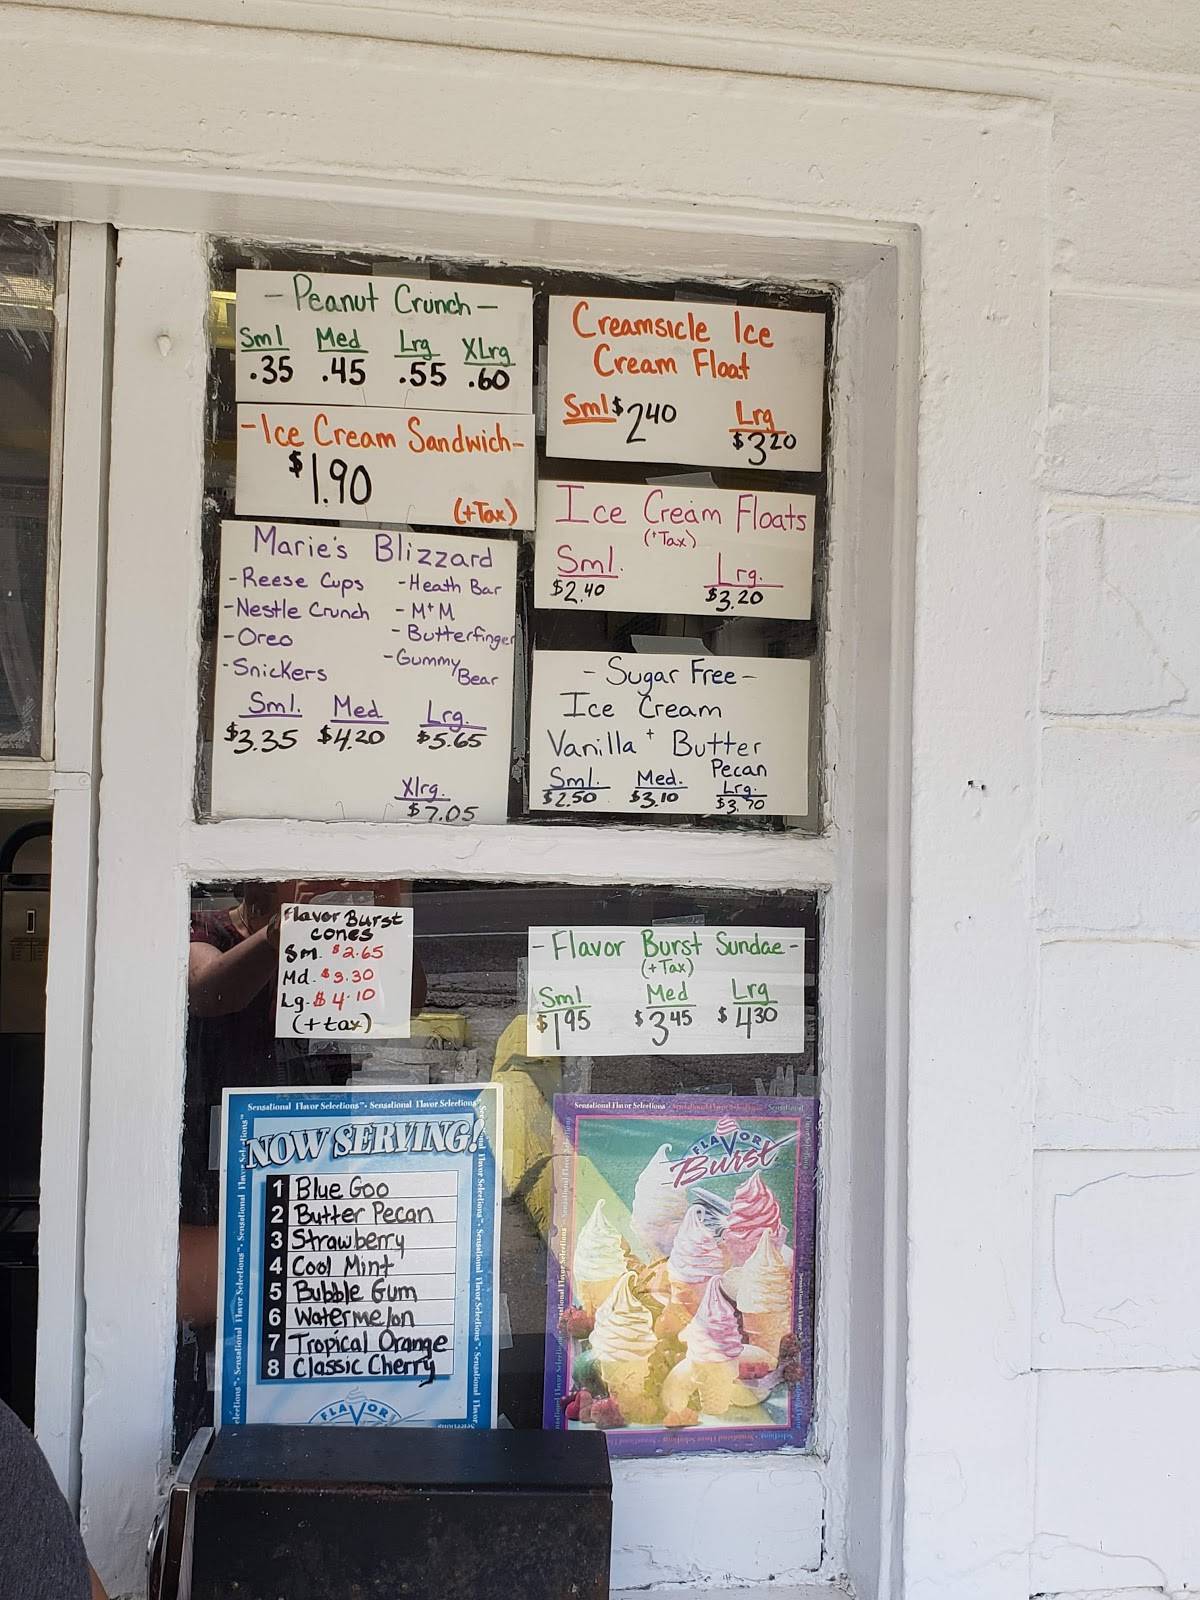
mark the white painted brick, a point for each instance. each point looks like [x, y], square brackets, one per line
[1124, 397]
[1121, 633]
[1115, 1263]
[1119, 1044]
[1118, 1481]
[787, 1497]
[1127, 184]
[1105, 1594]
[1120, 843]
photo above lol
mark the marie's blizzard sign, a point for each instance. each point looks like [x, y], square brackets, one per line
[360, 1232]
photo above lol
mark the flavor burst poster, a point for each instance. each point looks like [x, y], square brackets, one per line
[681, 1272]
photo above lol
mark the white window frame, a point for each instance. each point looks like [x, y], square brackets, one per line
[158, 434]
[63, 778]
[935, 1492]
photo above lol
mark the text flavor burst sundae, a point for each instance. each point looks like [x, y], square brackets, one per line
[681, 1274]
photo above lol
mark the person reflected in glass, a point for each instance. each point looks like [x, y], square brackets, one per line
[233, 961]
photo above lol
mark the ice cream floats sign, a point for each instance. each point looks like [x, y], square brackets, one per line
[706, 384]
[616, 991]
[670, 547]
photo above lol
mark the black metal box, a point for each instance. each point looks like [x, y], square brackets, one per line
[284, 1513]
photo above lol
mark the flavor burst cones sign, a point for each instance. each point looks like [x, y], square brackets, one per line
[681, 1272]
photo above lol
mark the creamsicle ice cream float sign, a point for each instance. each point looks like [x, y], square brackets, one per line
[681, 1272]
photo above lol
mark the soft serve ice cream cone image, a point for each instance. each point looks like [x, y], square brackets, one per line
[623, 1342]
[659, 1205]
[714, 1351]
[599, 1260]
[765, 1294]
[753, 1211]
[696, 1256]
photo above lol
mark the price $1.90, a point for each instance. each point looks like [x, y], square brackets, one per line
[352, 485]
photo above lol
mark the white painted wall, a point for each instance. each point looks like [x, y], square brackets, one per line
[1054, 1200]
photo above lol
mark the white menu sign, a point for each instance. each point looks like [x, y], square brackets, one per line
[670, 547]
[335, 338]
[617, 991]
[454, 469]
[705, 384]
[688, 735]
[363, 675]
[344, 971]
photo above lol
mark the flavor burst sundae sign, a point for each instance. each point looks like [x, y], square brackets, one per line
[681, 1274]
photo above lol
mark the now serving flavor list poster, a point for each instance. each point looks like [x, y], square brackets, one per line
[360, 1234]
[681, 1271]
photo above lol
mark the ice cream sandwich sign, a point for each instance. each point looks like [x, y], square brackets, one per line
[679, 1313]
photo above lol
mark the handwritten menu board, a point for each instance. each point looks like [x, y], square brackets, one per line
[453, 469]
[363, 675]
[638, 546]
[617, 991]
[686, 735]
[704, 383]
[344, 970]
[331, 338]
[360, 1232]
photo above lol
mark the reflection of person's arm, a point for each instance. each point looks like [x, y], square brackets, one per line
[223, 981]
[196, 1280]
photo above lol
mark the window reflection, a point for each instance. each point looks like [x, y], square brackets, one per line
[27, 255]
[469, 1025]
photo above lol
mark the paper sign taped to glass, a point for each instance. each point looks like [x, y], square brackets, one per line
[681, 1272]
[359, 1247]
[692, 735]
[345, 971]
[703, 991]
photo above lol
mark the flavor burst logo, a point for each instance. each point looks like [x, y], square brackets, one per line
[729, 1148]
[356, 1411]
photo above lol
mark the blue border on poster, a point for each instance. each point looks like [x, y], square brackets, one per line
[366, 1400]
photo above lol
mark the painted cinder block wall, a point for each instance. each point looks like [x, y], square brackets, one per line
[1115, 1331]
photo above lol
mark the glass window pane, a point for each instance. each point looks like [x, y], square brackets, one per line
[262, 718]
[26, 386]
[470, 1024]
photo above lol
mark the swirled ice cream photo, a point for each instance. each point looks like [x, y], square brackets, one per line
[681, 1276]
